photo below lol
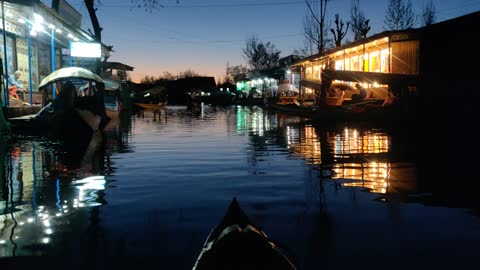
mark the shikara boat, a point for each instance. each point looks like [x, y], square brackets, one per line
[369, 111]
[68, 115]
[236, 243]
[151, 106]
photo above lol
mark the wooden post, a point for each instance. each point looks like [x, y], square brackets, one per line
[326, 84]
[4, 127]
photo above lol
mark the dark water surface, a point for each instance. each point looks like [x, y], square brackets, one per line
[148, 191]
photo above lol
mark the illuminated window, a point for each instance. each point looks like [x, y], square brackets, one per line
[374, 61]
[316, 72]
[338, 65]
[355, 65]
[347, 64]
[308, 72]
[365, 62]
[384, 59]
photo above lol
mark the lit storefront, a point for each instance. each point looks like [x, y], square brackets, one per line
[38, 40]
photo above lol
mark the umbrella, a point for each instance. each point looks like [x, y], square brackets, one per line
[287, 87]
[109, 85]
[70, 73]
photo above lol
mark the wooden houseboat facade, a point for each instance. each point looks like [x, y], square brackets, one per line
[415, 66]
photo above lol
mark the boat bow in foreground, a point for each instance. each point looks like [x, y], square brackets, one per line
[236, 243]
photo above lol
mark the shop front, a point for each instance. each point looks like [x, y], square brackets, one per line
[35, 40]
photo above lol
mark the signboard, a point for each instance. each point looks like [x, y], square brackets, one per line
[82, 49]
[13, 28]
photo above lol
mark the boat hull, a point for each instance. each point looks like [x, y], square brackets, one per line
[149, 106]
[236, 243]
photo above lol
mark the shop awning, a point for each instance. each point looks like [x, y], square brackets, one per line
[117, 65]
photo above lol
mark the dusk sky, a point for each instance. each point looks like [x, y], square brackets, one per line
[205, 35]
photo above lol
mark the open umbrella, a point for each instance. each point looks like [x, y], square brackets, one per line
[287, 87]
[109, 85]
[70, 73]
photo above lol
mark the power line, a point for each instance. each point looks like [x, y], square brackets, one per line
[223, 5]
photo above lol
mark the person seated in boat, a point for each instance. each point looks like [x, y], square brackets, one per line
[15, 87]
[336, 99]
[332, 91]
[66, 98]
[362, 93]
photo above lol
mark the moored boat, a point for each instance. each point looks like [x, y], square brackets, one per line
[236, 243]
[151, 106]
[69, 115]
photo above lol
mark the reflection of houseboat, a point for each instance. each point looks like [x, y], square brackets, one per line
[355, 158]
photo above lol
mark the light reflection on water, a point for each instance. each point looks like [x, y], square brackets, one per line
[43, 187]
[166, 177]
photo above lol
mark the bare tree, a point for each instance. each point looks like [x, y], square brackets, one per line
[399, 15]
[428, 15]
[187, 74]
[168, 76]
[233, 71]
[314, 23]
[303, 52]
[260, 55]
[148, 80]
[311, 31]
[149, 5]
[364, 28]
[358, 21]
[338, 33]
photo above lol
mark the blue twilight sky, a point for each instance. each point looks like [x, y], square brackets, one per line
[206, 35]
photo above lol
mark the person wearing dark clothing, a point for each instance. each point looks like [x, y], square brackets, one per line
[362, 95]
[65, 100]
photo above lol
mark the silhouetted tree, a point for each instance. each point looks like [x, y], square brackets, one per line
[303, 52]
[314, 26]
[358, 21]
[428, 15]
[148, 80]
[149, 5]
[233, 71]
[338, 33]
[168, 76]
[399, 15]
[187, 73]
[364, 28]
[260, 55]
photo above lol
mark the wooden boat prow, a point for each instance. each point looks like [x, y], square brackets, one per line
[236, 243]
[151, 106]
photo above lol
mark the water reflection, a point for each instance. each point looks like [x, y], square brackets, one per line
[357, 157]
[45, 184]
[318, 190]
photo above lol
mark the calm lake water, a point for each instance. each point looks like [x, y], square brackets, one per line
[151, 188]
